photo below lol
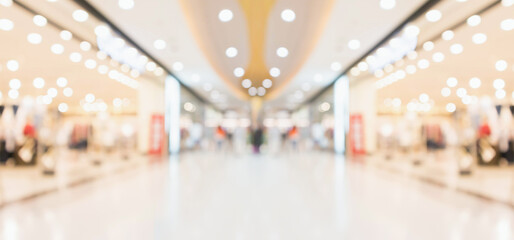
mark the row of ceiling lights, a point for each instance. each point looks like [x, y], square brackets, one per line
[353, 44]
[423, 104]
[227, 15]
[160, 44]
[58, 49]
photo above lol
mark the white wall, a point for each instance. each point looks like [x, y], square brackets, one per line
[363, 101]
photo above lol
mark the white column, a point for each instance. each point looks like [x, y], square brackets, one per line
[150, 101]
[340, 114]
[172, 120]
[363, 101]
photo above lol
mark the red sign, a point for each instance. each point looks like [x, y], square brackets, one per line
[156, 134]
[357, 144]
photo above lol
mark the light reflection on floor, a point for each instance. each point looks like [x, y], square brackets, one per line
[223, 196]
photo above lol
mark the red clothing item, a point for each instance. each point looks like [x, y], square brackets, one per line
[29, 131]
[484, 130]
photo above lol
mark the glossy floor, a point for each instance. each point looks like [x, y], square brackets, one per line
[224, 196]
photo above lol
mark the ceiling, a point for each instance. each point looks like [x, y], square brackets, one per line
[317, 37]
[38, 61]
[196, 42]
[475, 61]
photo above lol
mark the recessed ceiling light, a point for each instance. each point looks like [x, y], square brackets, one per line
[52, 92]
[6, 3]
[500, 94]
[34, 38]
[90, 64]
[15, 83]
[507, 3]
[57, 48]
[274, 72]
[499, 83]
[225, 15]
[423, 64]
[363, 66]
[438, 57]
[252, 91]
[231, 52]
[75, 57]
[411, 69]
[239, 72]
[424, 98]
[479, 38]
[66, 35]
[126, 4]
[13, 93]
[461, 92]
[80, 15]
[433, 15]
[103, 69]
[85, 46]
[151, 66]
[456, 48]
[412, 31]
[246, 83]
[387, 4]
[6, 24]
[450, 107]
[446, 92]
[267, 83]
[379, 73]
[68, 92]
[336, 66]
[474, 20]
[261, 91]
[135, 73]
[354, 44]
[63, 107]
[282, 52]
[355, 71]
[448, 35]
[428, 46]
[47, 99]
[178, 66]
[507, 24]
[475, 82]
[38, 82]
[159, 44]
[159, 71]
[452, 82]
[102, 30]
[288, 15]
[39, 20]
[501, 65]
[62, 82]
[13, 65]
[90, 98]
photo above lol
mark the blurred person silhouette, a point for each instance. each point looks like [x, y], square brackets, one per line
[257, 139]
[293, 136]
[219, 136]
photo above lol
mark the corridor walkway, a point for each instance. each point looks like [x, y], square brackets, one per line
[224, 196]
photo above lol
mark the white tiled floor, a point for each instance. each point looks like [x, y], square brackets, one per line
[221, 196]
